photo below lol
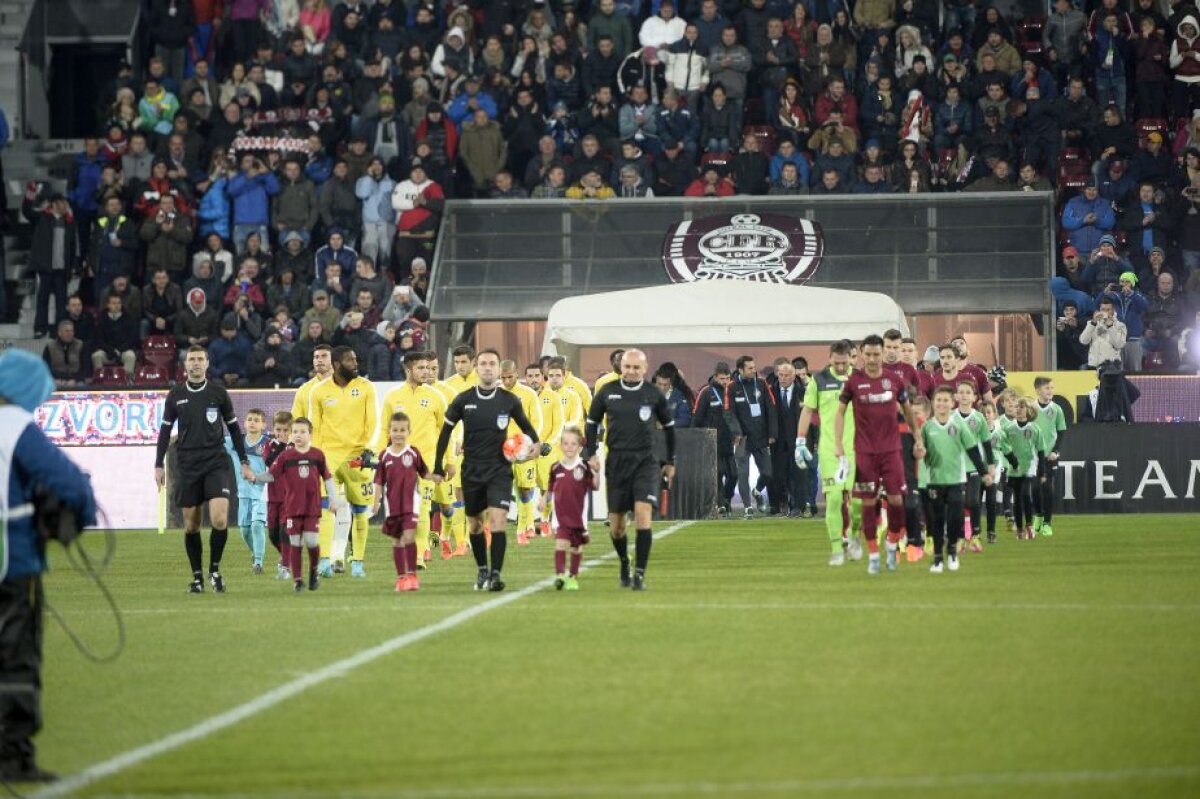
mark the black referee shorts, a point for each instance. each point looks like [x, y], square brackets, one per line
[631, 477]
[487, 488]
[196, 483]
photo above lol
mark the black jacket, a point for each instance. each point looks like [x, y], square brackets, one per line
[116, 336]
[41, 250]
[756, 425]
[710, 411]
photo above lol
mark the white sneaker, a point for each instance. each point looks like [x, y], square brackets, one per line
[952, 562]
[854, 549]
[873, 564]
[893, 556]
[837, 559]
[936, 568]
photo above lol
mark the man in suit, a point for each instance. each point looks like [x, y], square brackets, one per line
[787, 488]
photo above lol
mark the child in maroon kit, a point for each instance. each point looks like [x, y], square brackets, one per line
[570, 481]
[400, 469]
[299, 471]
[281, 429]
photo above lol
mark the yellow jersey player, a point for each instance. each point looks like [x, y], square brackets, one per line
[550, 432]
[464, 376]
[570, 382]
[446, 493]
[425, 408]
[614, 359]
[524, 474]
[345, 414]
[322, 368]
[574, 405]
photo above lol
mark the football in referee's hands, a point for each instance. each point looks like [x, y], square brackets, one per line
[519, 448]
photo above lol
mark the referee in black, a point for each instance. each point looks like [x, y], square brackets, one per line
[203, 473]
[632, 474]
[487, 477]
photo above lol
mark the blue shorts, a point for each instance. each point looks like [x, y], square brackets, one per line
[251, 510]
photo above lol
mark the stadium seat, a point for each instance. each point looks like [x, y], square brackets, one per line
[1072, 154]
[180, 373]
[720, 160]
[1154, 362]
[149, 375]
[1033, 48]
[159, 350]
[1073, 174]
[1147, 125]
[110, 376]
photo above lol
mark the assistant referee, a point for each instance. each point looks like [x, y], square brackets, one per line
[632, 474]
[203, 472]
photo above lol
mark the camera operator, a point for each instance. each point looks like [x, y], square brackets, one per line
[38, 475]
[1104, 335]
[1072, 354]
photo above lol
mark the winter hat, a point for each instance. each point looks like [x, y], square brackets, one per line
[25, 379]
[1069, 252]
[1109, 240]
[1128, 277]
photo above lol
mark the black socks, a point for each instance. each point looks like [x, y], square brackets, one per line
[641, 547]
[499, 545]
[479, 549]
[216, 546]
[621, 545]
[195, 551]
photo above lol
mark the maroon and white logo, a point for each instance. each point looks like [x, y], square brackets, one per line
[406, 460]
[769, 248]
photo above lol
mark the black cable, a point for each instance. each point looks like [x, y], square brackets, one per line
[86, 567]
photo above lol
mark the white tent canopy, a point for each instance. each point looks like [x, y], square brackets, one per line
[717, 312]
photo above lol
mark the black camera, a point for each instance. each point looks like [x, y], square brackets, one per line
[53, 519]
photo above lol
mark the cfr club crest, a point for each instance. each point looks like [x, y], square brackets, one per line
[769, 248]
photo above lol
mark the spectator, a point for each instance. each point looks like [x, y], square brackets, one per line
[591, 186]
[1087, 218]
[1130, 305]
[157, 108]
[114, 245]
[137, 161]
[336, 285]
[321, 312]
[294, 257]
[270, 365]
[909, 161]
[1165, 316]
[1113, 139]
[290, 291]
[606, 23]
[229, 355]
[387, 358]
[246, 285]
[686, 61]
[52, 254]
[710, 184]
[635, 156]
[1007, 60]
[788, 154]
[999, 180]
[1028, 179]
[1072, 354]
[879, 117]
[168, 234]
[1185, 61]
[1116, 185]
[1105, 267]
[82, 319]
[630, 184]
[295, 207]
[1103, 335]
[84, 183]
[116, 337]
[830, 182]
[252, 190]
[374, 192]
[197, 324]
[1189, 227]
[161, 302]
[1078, 115]
[872, 182]
[367, 278]
[354, 334]
[677, 123]
[1152, 164]
[483, 150]
[601, 65]
[214, 209]
[131, 298]
[65, 355]
[638, 119]
[365, 305]
[789, 182]
[418, 279]
[833, 128]
[418, 204]
[249, 322]
[1149, 221]
[338, 201]
[1065, 31]
[335, 252]
[553, 186]
[837, 160]
[750, 169]
[1151, 75]
[1156, 264]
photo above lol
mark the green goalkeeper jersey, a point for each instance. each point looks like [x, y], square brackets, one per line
[946, 446]
[1051, 422]
[979, 430]
[822, 395]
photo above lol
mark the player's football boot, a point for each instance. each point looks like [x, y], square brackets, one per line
[747, 514]
[893, 559]
[414, 582]
[218, 582]
[560, 580]
[991, 536]
[324, 568]
[356, 569]
[314, 581]
[522, 539]
[854, 549]
[837, 559]
[196, 586]
[1030, 534]
[257, 567]
[952, 562]
[544, 529]
[481, 580]
[298, 586]
[975, 545]
[447, 549]
[639, 580]
[873, 563]
[495, 583]
[626, 582]
[572, 583]
[760, 500]
[913, 553]
[402, 583]
[282, 572]
[1047, 530]
[936, 568]
[426, 555]
[339, 567]
[461, 550]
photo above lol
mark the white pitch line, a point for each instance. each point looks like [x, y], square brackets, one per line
[933, 782]
[266, 701]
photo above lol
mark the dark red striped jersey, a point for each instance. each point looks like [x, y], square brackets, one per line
[570, 484]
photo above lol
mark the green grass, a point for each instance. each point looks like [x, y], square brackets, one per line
[1063, 667]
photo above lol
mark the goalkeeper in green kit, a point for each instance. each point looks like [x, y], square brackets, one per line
[843, 514]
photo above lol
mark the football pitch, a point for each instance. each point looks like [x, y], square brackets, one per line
[1062, 667]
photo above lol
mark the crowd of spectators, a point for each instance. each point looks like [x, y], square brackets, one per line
[290, 158]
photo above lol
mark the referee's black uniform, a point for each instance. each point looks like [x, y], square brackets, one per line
[202, 470]
[631, 472]
[487, 476]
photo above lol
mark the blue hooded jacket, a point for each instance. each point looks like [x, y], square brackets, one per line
[213, 213]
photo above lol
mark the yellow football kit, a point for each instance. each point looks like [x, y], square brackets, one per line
[345, 420]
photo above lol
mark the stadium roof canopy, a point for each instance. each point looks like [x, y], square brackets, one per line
[718, 312]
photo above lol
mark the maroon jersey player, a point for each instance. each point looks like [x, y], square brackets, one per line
[570, 481]
[877, 396]
[954, 370]
[398, 475]
[976, 373]
[298, 473]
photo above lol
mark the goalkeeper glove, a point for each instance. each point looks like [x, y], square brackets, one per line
[803, 455]
[843, 470]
